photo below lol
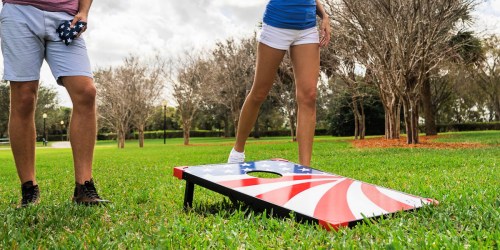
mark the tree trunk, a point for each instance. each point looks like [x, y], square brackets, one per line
[411, 118]
[392, 121]
[391, 106]
[227, 133]
[256, 134]
[406, 107]
[363, 120]
[415, 116]
[429, 110]
[496, 103]
[186, 128]
[292, 127]
[121, 138]
[398, 118]
[356, 116]
[236, 118]
[141, 135]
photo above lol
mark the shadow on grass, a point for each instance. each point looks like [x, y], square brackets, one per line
[227, 210]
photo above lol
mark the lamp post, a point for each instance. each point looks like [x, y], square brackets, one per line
[44, 132]
[164, 107]
[62, 130]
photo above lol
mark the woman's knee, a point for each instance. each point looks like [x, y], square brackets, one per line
[307, 98]
[257, 97]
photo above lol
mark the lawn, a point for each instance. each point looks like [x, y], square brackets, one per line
[147, 201]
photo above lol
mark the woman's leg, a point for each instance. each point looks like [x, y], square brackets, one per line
[268, 61]
[305, 60]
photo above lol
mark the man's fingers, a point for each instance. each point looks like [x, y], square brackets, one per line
[75, 20]
[83, 30]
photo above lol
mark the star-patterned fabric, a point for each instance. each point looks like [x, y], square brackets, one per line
[68, 33]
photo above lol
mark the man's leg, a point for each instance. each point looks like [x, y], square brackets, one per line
[83, 126]
[83, 129]
[305, 60]
[23, 96]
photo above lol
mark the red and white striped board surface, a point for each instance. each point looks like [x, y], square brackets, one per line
[328, 199]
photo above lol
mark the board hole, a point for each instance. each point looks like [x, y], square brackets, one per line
[264, 174]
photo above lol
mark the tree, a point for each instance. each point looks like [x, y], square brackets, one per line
[284, 92]
[156, 120]
[438, 85]
[4, 108]
[146, 83]
[341, 59]
[188, 89]
[403, 40]
[113, 101]
[487, 75]
[47, 102]
[341, 117]
[234, 64]
[128, 95]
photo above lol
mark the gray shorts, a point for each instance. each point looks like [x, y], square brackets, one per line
[29, 35]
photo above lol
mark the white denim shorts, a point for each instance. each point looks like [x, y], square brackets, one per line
[29, 36]
[283, 39]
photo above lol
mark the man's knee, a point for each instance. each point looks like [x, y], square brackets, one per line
[86, 96]
[89, 93]
[23, 102]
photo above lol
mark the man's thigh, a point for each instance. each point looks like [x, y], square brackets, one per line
[22, 47]
[71, 60]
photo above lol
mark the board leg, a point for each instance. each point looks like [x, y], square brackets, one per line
[188, 195]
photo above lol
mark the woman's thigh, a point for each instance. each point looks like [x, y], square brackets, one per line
[305, 60]
[268, 61]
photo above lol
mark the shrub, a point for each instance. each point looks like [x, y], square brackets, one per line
[199, 133]
[473, 126]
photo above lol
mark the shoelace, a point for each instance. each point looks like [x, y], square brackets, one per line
[90, 190]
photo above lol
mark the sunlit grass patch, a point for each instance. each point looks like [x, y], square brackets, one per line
[147, 209]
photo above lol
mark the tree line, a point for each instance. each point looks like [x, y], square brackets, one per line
[391, 66]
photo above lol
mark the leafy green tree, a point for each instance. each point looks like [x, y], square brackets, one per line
[487, 76]
[156, 121]
[403, 40]
[47, 102]
[440, 84]
[4, 108]
[341, 113]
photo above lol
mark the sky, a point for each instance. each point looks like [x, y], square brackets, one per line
[118, 28]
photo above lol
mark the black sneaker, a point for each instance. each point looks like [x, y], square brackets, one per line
[31, 194]
[86, 194]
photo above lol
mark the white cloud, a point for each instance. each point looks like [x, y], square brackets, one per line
[487, 18]
[118, 28]
[239, 3]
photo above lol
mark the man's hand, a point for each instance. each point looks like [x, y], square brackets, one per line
[325, 31]
[80, 17]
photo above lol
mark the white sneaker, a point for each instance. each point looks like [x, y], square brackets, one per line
[236, 157]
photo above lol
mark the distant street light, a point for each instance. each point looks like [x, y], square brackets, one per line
[44, 132]
[164, 107]
[62, 130]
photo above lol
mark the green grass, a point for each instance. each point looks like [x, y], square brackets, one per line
[484, 137]
[147, 201]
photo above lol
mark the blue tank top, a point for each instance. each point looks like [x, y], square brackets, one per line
[291, 14]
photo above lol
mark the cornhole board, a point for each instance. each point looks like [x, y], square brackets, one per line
[331, 200]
